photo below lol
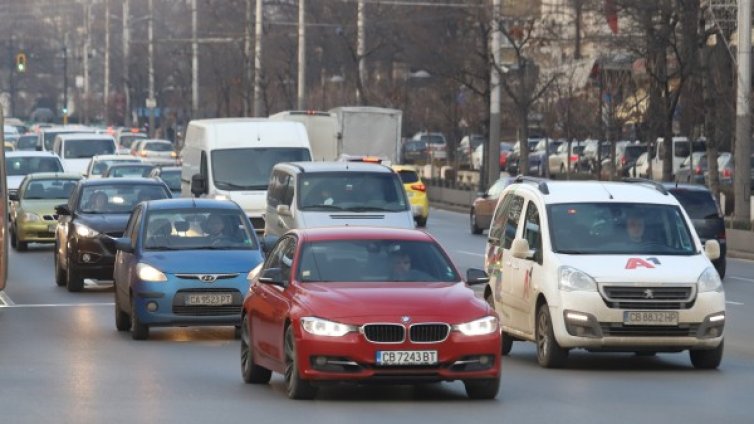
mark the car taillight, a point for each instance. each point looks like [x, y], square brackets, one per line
[144, 153]
[698, 170]
[726, 172]
[418, 187]
[574, 158]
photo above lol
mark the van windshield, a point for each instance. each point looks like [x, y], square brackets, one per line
[85, 149]
[682, 148]
[351, 191]
[249, 169]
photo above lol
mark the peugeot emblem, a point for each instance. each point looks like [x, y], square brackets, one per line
[405, 319]
[649, 294]
[208, 278]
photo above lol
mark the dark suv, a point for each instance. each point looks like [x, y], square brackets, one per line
[97, 213]
[705, 214]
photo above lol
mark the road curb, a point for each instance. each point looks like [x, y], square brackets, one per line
[738, 254]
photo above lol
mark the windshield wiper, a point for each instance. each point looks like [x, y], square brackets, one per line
[712, 216]
[574, 252]
[239, 186]
[370, 209]
[326, 207]
[162, 248]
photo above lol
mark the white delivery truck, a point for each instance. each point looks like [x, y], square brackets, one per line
[322, 129]
[371, 131]
[232, 158]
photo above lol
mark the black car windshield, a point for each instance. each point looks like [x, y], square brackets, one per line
[101, 166]
[158, 147]
[127, 140]
[27, 142]
[249, 169]
[23, 165]
[81, 149]
[619, 228]
[408, 176]
[172, 179]
[698, 204]
[49, 189]
[118, 198]
[120, 171]
[374, 261]
[351, 191]
[192, 229]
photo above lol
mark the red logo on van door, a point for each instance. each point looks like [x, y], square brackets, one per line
[634, 263]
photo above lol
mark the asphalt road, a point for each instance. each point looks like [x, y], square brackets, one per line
[62, 361]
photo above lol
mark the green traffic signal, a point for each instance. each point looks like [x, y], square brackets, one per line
[21, 62]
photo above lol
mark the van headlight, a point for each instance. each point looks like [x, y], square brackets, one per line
[572, 279]
[150, 273]
[84, 231]
[478, 327]
[710, 281]
[323, 327]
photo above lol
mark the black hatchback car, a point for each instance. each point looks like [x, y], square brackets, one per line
[96, 214]
[705, 214]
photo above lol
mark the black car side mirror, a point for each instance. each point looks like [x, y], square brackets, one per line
[268, 242]
[476, 276]
[62, 210]
[198, 185]
[272, 276]
[13, 197]
[124, 244]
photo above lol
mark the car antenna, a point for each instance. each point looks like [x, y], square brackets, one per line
[608, 192]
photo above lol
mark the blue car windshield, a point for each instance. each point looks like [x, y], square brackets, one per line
[196, 229]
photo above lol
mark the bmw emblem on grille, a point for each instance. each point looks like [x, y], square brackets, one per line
[405, 319]
[649, 294]
[207, 278]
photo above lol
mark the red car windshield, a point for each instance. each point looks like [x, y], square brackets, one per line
[374, 261]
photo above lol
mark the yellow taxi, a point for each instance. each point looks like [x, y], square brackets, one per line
[416, 191]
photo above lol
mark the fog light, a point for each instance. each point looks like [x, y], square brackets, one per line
[151, 306]
[484, 360]
[320, 361]
[714, 332]
[86, 257]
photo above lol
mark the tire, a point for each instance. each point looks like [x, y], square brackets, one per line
[122, 319]
[61, 278]
[482, 389]
[251, 372]
[296, 387]
[562, 169]
[139, 331]
[13, 238]
[549, 353]
[421, 222]
[22, 246]
[74, 282]
[506, 342]
[707, 359]
[472, 223]
[720, 266]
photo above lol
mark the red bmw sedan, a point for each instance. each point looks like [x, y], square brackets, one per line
[362, 305]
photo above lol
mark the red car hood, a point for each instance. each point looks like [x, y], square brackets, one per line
[391, 301]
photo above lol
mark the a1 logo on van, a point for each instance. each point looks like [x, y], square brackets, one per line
[648, 263]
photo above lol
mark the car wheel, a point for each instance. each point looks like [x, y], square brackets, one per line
[22, 246]
[61, 279]
[472, 220]
[421, 222]
[507, 342]
[252, 373]
[707, 359]
[720, 265]
[562, 169]
[549, 353]
[13, 238]
[74, 282]
[482, 389]
[122, 320]
[139, 330]
[296, 387]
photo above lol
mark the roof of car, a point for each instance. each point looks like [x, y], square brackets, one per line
[186, 203]
[688, 187]
[28, 153]
[86, 136]
[131, 165]
[68, 128]
[53, 175]
[361, 233]
[306, 167]
[121, 181]
[117, 157]
[596, 191]
[405, 168]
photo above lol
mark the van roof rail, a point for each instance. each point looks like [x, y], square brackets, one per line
[540, 182]
[657, 186]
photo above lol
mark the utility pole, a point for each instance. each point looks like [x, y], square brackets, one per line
[151, 101]
[742, 182]
[194, 63]
[106, 84]
[361, 51]
[258, 60]
[493, 144]
[12, 75]
[87, 49]
[65, 79]
[301, 54]
[248, 73]
[126, 48]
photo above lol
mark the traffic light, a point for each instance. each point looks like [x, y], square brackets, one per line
[21, 62]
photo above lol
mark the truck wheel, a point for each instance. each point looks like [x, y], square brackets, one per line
[549, 353]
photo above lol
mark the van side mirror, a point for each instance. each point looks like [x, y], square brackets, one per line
[712, 249]
[198, 185]
[62, 210]
[520, 249]
[13, 197]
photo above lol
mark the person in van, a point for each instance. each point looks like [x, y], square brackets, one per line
[635, 227]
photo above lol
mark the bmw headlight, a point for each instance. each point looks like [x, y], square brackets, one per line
[479, 327]
[571, 279]
[149, 273]
[323, 327]
[31, 217]
[84, 231]
[710, 281]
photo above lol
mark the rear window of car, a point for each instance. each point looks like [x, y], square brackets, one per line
[698, 204]
[408, 176]
[158, 147]
[19, 165]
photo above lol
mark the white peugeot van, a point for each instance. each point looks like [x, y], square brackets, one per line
[321, 194]
[76, 150]
[231, 158]
[603, 267]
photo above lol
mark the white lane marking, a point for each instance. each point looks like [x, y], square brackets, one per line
[470, 253]
[5, 300]
[56, 305]
[751, 280]
[730, 302]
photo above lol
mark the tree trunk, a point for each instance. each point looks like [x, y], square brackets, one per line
[523, 122]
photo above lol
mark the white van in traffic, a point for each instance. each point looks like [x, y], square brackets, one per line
[682, 148]
[76, 150]
[231, 158]
[322, 129]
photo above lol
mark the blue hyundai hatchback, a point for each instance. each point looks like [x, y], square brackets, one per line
[183, 262]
